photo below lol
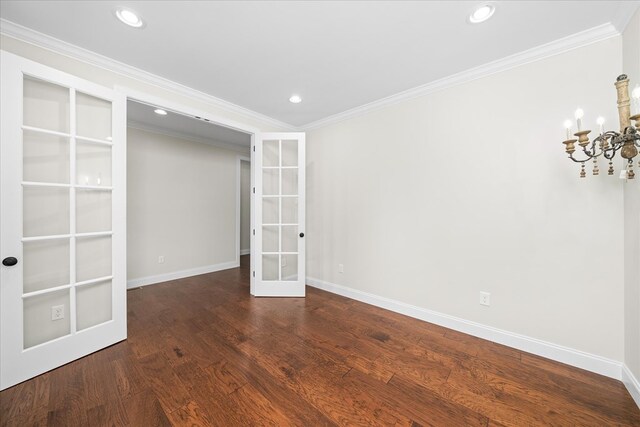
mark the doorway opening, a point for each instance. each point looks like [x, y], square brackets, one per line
[184, 194]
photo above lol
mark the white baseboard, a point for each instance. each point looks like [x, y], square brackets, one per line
[150, 280]
[632, 384]
[245, 251]
[577, 358]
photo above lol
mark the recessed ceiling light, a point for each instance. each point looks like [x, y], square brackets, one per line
[295, 99]
[129, 17]
[482, 13]
[160, 112]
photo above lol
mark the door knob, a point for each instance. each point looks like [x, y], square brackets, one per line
[9, 261]
[301, 234]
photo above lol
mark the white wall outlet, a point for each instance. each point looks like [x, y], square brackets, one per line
[340, 268]
[485, 298]
[57, 312]
[161, 259]
[284, 262]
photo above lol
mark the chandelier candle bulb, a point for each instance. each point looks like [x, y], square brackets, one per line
[579, 116]
[600, 123]
[567, 126]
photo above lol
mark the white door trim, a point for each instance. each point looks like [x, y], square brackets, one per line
[239, 160]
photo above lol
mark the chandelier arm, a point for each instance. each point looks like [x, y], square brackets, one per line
[612, 150]
[580, 161]
[591, 153]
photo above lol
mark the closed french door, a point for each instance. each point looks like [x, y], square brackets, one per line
[62, 219]
[277, 256]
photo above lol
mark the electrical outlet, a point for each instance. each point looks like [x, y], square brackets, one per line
[340, 268]
[161, 259]
[57, 312]
[485, 298]
[284, 262]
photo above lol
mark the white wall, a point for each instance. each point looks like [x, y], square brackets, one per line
[245, 206]
[434, 199]
[631, 45]
[181, 204]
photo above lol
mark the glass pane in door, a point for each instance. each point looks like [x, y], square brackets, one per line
[93, 164]
[93, 258]
[45, 211]
[289, 182]
[289, 152]
[271, 153]
[45, 105]
[93, 117]
[38, 326]
[45, 264]
[93, 210]
[289, 238]
[289, 210]
[271, 210]
[271, 182]
[45, 158]
[93, 304]
[289, 267]
[270, 268]
[270, 238]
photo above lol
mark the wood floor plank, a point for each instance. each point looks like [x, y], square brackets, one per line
[202, 352]
[423, 407]
[67, 403]
[107, 414]
[167, 387]
[190, 415]
[144, 409]
[219, 407]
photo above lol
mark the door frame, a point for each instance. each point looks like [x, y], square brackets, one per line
[172, 105]
[239, 160]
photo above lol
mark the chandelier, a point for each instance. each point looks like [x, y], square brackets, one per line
[608, 143]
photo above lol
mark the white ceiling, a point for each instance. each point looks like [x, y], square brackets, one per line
[337, 55]
[142, 116]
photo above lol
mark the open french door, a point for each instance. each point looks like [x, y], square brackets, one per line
[277, 252]
[62, 218]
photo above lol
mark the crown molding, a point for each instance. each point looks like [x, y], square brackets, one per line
[172, 134]
[625, 12]
[553, 48]
[583, 38]
[69, 50]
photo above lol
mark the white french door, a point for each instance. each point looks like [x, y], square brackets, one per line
[277, 252]
[62, 218]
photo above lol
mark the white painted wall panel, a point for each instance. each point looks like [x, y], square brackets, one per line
[434, 199]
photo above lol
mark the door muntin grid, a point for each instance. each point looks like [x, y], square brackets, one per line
[279, 222]
[67, 209]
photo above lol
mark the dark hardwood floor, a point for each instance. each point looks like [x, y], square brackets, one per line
[202, 352]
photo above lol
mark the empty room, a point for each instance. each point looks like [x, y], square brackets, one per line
[336, 213]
